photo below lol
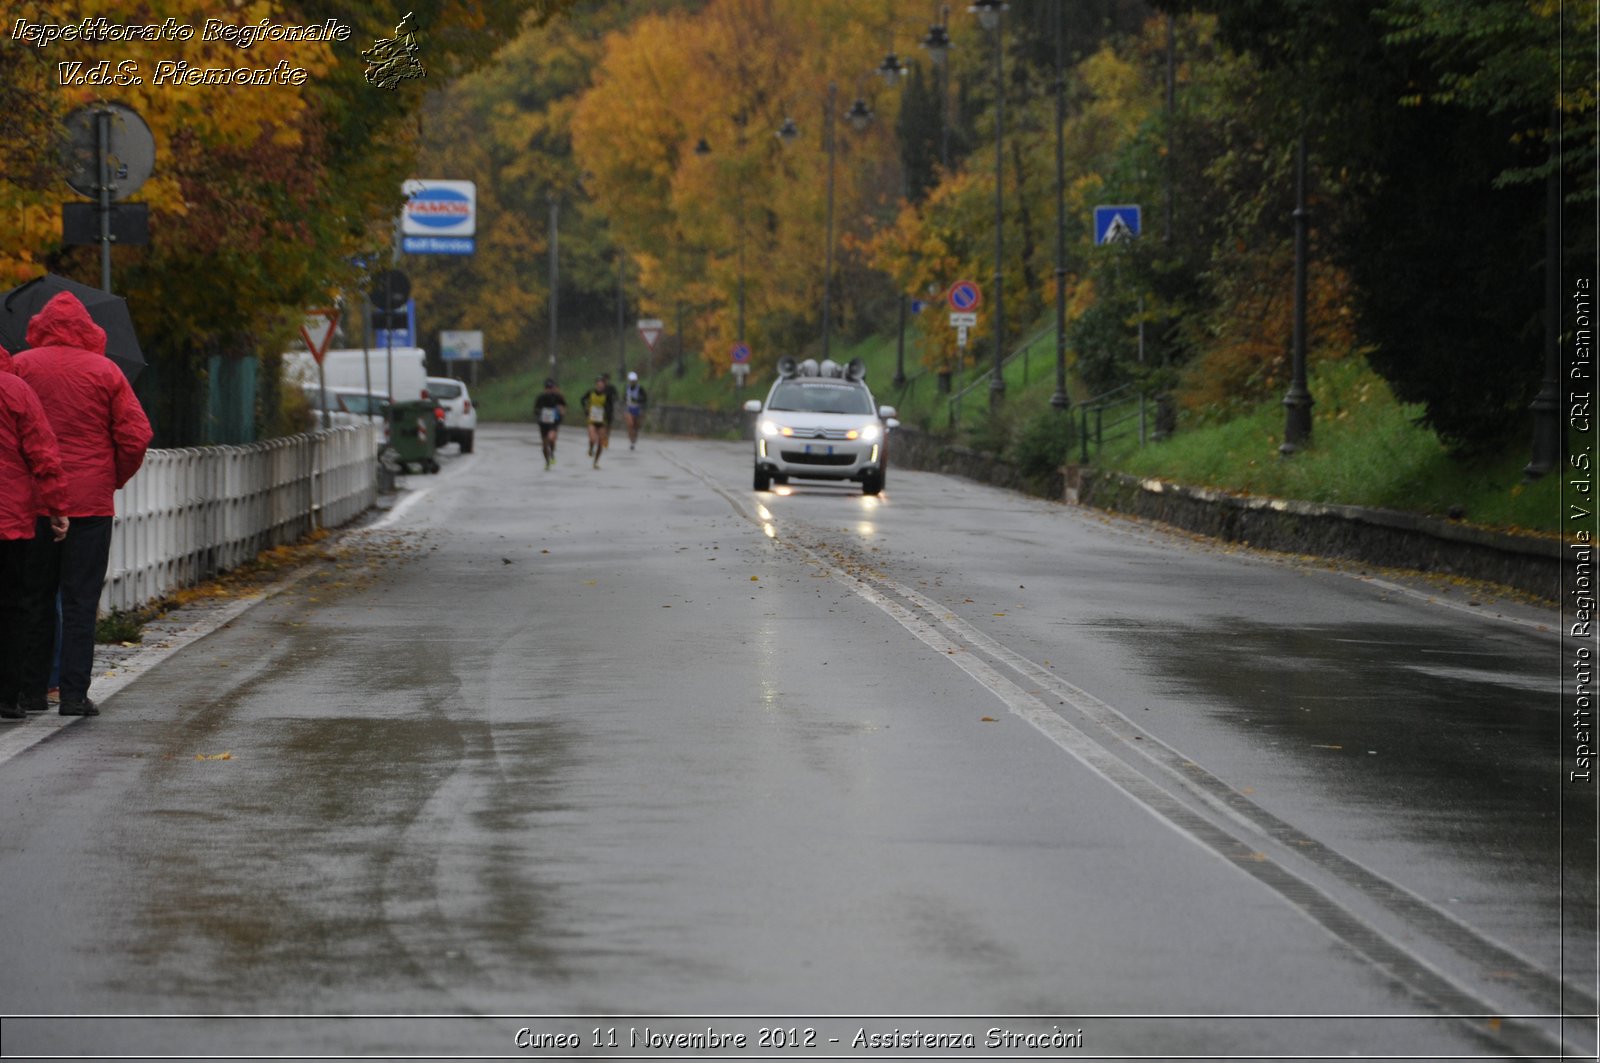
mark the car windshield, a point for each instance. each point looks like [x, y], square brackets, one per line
[357, 403]
[444, 391]
[801, 396]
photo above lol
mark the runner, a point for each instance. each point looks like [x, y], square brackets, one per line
[634, 399]
[598, 403]
[548, 409]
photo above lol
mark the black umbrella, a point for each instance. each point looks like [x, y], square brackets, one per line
[110, 312]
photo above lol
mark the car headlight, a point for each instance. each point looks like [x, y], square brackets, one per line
[768, 427]
[870, 433]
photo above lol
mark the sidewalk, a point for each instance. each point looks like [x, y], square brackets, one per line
[195, 613]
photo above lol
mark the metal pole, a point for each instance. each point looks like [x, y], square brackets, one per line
[366, 355]
[388, 334]
[1547, 403]
[944, 100]
[900, 347]
[740, 120]
[1297, 403]
[1059, 401]
[622, 328]
[1172, 88]
[102, 126]
[1141, 362]
[680, 337]
[555, 271]
[997, 381]
[827, 270]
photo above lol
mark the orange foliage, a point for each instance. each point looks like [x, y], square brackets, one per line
[1248, 358]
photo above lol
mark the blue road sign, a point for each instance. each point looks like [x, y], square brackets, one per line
[964, 295]
[917, 306]
[438, 245]
[741, 353]
[1113, 225]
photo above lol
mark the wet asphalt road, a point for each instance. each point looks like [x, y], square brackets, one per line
[642, 742]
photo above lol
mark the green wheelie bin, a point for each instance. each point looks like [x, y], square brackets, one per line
[411, 435]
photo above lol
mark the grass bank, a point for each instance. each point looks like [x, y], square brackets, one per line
[1366, 450]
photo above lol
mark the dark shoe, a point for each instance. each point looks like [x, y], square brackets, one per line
[11, 711]
[33, 704]
[79, 708]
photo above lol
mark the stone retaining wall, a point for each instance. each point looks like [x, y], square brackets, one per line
[1376, 536]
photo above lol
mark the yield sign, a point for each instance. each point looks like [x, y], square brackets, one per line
[317, 330]
[650, 328]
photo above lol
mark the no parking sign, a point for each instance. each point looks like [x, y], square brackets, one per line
[964, 296]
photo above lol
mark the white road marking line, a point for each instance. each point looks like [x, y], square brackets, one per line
[1416, 973]
[396, 511]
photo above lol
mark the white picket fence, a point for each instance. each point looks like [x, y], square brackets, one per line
[192, 513]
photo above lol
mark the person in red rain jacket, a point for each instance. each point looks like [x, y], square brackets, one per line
[30, 479]
[102, 433]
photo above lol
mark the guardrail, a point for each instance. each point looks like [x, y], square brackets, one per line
[189, 514]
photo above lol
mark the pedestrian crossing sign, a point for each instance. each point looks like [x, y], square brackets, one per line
[1116, 224]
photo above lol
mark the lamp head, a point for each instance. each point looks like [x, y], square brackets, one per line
[859, 114]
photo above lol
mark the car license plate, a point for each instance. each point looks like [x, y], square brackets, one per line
[818, 448]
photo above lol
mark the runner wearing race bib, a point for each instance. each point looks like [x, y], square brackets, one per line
[633, 399]
[548, 409]
[599, 402]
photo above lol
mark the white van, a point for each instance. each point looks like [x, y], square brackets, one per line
[344, 370]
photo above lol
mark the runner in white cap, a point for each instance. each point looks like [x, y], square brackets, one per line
[633, 399]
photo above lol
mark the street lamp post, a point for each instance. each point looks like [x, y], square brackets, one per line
[555, 270]
[622, 328]
[858, 116]
[827, 269]
[704, 148]
[1297, 402]
[892, 70]
[991, 15]
[1059, 400]
[1546, 404]
[937, 42]
[680, 337]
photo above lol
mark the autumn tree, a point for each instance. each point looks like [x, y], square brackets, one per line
[261, 193]
[749, 206]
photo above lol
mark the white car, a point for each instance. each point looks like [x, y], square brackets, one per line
[820, 423]
[347, 406]
[460, 419]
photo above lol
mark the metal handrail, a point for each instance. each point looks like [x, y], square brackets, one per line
[1095, 408]
[954, 402]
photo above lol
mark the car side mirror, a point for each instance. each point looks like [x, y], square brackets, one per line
[891, 422]
[752, 406]
[886, 412]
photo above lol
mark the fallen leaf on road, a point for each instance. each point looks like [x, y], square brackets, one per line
[987, 719]
[1316, 745]
[213, 756]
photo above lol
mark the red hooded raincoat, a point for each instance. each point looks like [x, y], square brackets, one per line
[100, 426]
[28, 458]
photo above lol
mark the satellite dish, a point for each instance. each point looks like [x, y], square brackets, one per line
[130, 150]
